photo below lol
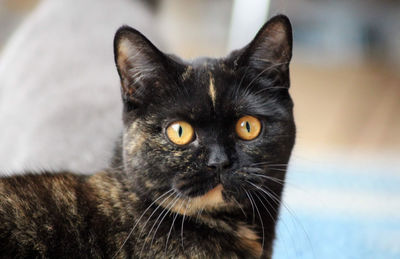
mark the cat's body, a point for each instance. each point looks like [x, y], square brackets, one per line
[199, 170]
[69, 216]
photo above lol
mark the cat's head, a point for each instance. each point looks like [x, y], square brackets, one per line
[203, 133]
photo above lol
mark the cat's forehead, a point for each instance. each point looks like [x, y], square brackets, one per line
[209, 82]
[209, 76]
[205, 66]
[213, 90]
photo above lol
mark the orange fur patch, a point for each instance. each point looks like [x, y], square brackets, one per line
[250, 240]
[211, 90]
[211, 200]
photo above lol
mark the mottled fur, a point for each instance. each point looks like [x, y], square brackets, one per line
[215, 197]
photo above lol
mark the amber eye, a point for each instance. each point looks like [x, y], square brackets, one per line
[180, 132]
[248, 127]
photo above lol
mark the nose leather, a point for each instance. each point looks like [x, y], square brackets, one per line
[218, 159]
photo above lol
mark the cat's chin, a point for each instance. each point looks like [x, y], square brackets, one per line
[212, 200]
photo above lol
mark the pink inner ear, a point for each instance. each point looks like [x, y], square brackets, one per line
[123, 51]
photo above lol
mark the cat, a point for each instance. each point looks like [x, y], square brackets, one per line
[197, 173]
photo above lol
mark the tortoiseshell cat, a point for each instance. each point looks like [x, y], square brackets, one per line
[198, 172]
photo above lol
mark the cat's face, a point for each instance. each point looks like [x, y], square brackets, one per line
[201, 134]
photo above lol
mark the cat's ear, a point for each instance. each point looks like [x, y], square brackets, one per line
[140, 64]
[272, 46]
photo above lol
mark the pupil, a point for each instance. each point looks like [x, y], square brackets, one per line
[248, 126]
[180, 131]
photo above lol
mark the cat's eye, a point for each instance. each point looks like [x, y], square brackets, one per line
[180, 132]
[248, 127]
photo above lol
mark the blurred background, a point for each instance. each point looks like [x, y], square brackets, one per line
[343, 190]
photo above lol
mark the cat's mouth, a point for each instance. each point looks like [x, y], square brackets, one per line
[196, 185]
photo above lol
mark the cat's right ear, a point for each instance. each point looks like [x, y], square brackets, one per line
[272, 46]
[140, 65]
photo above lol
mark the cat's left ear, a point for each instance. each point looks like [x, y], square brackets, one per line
[272, 46]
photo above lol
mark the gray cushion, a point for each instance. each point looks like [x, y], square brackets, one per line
[60, 102]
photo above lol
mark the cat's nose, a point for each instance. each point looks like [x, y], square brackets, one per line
[218, 159]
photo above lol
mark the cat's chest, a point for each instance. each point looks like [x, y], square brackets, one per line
[194, 240]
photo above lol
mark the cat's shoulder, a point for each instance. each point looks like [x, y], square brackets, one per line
[31, 188]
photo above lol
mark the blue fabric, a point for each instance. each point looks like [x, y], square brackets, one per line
[340, 212]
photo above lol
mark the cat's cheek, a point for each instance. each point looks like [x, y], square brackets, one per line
[250, 151]
[135, 161]
[232, 183]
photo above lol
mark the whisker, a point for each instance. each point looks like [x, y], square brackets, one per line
[274, 179]
[155, 222]
[269, 213]
[172, 225]
[183, 220]
[261, 221]
[297, 221]
[284, 182]
[270, 195]
[168, 210]
[274, 209]
[274, 220]
[159, 206]
[137, 221]
[277, 169]
[252, 206]
[268, 164]
[240, 207]
[277, 201]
